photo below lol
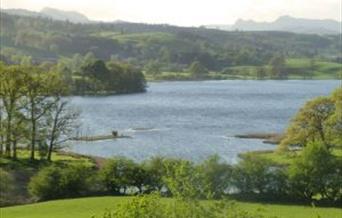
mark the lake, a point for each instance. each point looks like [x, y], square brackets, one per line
[193, 120]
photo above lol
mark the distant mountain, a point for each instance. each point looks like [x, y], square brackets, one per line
[71, 16]
[55, 14]
[285, 23]
[22, 12]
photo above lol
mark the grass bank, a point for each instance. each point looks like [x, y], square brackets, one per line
[95, 207]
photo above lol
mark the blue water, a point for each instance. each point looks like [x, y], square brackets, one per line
[193, 120]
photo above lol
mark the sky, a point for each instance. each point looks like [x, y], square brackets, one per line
[188, 12]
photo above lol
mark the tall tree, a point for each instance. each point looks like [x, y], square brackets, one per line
[11, 91]
[61, 121]
[39, 88]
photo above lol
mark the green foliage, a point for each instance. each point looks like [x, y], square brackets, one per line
[154, 206]
[256, 175]
[96, 206]
[6, 187]
[278, 70]
[120, 174]
[316, 173]
[318, 120]
[59, 182]
[46, 39]
[216, 176]
[183, 179]
[197, 69]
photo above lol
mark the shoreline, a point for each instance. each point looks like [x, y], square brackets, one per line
[267, 138]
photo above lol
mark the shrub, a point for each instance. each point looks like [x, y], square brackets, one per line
[154, 206]
[6, 187]
[216, 177]
[316, 172]
[55, 182]
[120, 174]
[255, 175]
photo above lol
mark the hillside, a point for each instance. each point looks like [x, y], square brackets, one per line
[173, 47]
[51, 13]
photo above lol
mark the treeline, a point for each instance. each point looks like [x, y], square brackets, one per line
[33, 113]
[89, 75]
[313, 176]
[173, 47]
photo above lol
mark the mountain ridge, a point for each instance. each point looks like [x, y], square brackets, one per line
[285, 23]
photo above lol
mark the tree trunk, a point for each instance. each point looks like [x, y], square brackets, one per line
[33, 139]
[50, 151]
[15, 149]
[8, 135]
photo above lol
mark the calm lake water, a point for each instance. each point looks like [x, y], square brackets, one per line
[193, 120]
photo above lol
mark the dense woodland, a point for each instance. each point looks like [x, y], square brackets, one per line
[174, 48]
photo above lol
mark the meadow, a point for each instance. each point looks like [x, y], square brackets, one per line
[95, 207]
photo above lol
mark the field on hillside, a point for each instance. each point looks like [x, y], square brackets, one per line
[96, 206]
[298, 68]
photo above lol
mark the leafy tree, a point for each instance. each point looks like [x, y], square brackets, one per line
[61, 121]
[216, 177]
[278, 70]
[183, 179]
[11, 91]
[310, 123]
[155, 170]
[252, 174]
[315, 173]
[117, 175]
[39, 87]
[55, 182]
[197, 69]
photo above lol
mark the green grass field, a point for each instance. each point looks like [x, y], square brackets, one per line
[95, 207]
[321, 70]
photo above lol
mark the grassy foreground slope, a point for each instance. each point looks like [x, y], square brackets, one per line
[96, 206]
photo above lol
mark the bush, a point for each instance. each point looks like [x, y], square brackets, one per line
[55, 182]
[154, 206]
[183, 179]
[255, 175]
[120, 174]
[6, 188]
[316, 173]
[216, 177]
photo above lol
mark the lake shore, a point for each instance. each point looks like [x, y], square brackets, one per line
[268, 138]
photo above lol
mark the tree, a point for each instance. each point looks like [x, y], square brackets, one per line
[183, 179]
[61, 121]
[261, 73]
[155, 170]
[197, 69]
[11, 91]
[152, 67]
[116, 174]
[334, 122]
[314, 172]
[55, 182]
[216, 177]
[278, 70]
[310, 123]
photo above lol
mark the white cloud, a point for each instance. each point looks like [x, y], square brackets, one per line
[188, 12]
